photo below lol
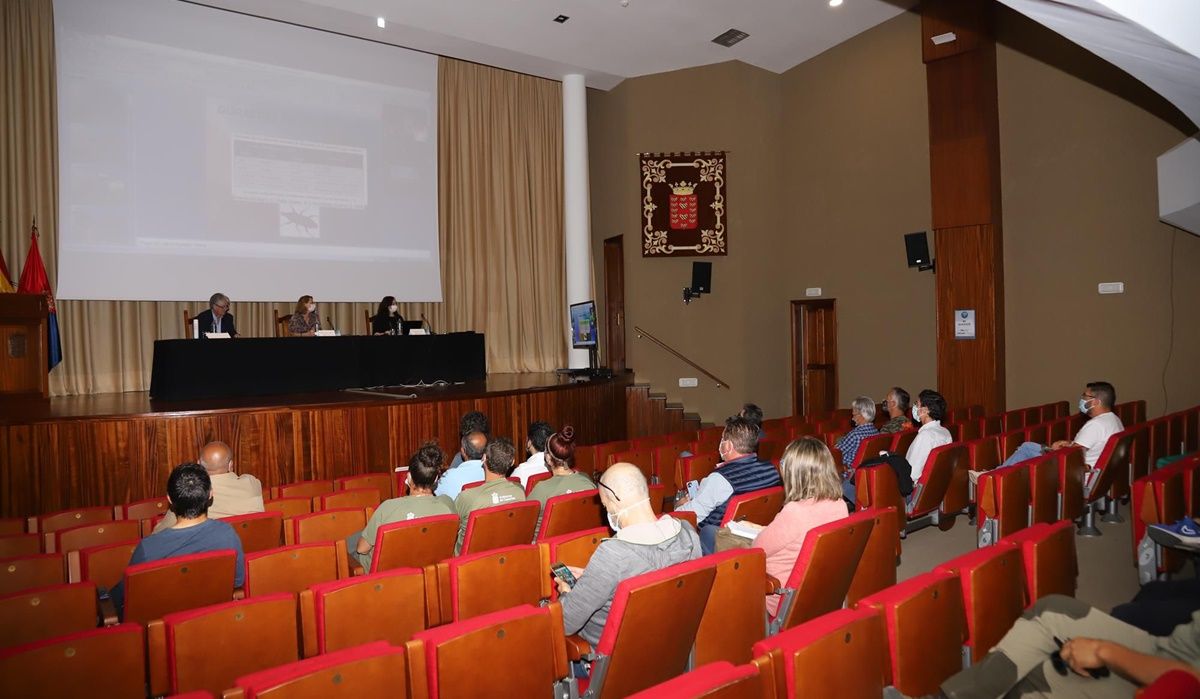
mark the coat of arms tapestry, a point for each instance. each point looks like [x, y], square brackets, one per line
[683, 204]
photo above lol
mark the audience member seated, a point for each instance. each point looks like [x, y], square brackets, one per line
[642, 544]
[560, 458]
[741, 471]
[189, 489]
[217, 319]
[862, 414]
[1097, 403]
[812, 491]
[387, 319]
[754, 414]
[304, 320]
[897, 404]
[232, 494]
[929, 410]
[469, 470]
[424, 468]
[1099, 657]
[496, 488]
[473, 421]
[535, 446]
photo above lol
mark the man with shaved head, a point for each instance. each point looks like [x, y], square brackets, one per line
[642, 543]
[473, 445]
[232, 494]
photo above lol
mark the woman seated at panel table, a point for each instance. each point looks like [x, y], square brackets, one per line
[387, 320]
[304, 320]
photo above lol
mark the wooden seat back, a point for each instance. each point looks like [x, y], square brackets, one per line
[327, 525]
[1009, 441]
[934, 484]
[499, 526]
[635, 656]
[649, 441]
[108, 662]
[381, 482]
[571, 512]
[1039, 433]
[734, 616]
[1013, 420]
[158, 588]
[533, 480]
[1048, 558]
[258, 531]
[72, 518]
[876, 568]
[821, 576]
[983, 454]
[1043, 488]
[302, 489]
[467, 585]
[145, 509]
[926, 626]
[414, 543]
[1158, 499]
[843, 654]
[1139, 453]
[1113, 465]
[370, 670]
[1003, 499]
[902, 440]
[876, 488]
[27, 572]
[208, 649]
[12, 525]
[871, 446]
[993, 594]
[13, 545]
[605, 451]
[293, 568]
[957, 496]
[696, 467]
[573, 549]
[45, 612]
[643, 458]
[719, 680]
[102, 565]
[357, 499]
[88, 535]
[757, 506]
[524, 647]
[1071, 468]
[388, 606]
[586, 461]
[289, 507]
[1057, 431]
[1176, 433]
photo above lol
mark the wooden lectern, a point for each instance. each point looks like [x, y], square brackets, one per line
[24, 350]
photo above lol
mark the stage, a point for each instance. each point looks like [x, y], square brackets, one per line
[112, 448]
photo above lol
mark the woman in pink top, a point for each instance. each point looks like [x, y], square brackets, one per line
[812, 490]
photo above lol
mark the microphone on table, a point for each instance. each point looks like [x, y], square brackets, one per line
[427, 323]
[330, 324]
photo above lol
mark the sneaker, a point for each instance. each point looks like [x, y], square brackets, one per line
[1184, 534]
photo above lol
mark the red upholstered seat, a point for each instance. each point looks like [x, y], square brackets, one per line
[1043, 488]
[840, 654]
[328, 525]
[292, 568]
[1157, 499]
[1173, 684]
[876, 569]
[571, 512]
[96, 534]
[102, 565]
[1112, 478]
[1002, 496]
[289, 507]
[12, 545]
[1013, 420]
[145, 509]
[735, 615]
[11, 525]
[1048, 555]
[993, 593]
[632, 654]
[381, 482]
[106, 662]
[27, 572]
[258, 531]
[523, 646]
[573, 549]
[72, 518]
[157, 588]
[500, 525]
[46, 612]
[388, 606]
[533, 480]
[870, 447]
[369, 670]
[696, 467]
[1071, 469]
[642, 457]
[302, 489]
[821, 577]
[926, 628]
[355, 498]
[757, 506]
[467, 585]
[719, 679]
[414, 543]
[942, 490]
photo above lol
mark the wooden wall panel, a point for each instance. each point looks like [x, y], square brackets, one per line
[73, 462]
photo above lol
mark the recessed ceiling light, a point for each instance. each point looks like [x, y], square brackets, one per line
[561, 19]
[835, 3]
[381, 23]
[730, 37]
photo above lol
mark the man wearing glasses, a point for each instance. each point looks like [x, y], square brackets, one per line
[217, 319]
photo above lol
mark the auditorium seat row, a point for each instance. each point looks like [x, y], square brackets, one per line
[1163, 497]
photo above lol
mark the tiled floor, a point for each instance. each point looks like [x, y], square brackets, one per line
[1107, 576]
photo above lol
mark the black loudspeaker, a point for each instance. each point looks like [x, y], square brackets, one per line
[916, 245]
[702, 277]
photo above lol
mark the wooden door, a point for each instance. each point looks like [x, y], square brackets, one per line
[614, 303]
[814, 357]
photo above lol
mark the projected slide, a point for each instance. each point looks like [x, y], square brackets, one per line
[203, 150]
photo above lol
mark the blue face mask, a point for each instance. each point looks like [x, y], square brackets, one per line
[1083, 405]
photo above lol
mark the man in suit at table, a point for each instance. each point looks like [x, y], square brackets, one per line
[217, 319]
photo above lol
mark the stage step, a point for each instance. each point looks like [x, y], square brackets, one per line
[649, 413]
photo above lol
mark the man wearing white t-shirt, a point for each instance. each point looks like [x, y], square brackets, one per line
[535, 446]
[1096, 402]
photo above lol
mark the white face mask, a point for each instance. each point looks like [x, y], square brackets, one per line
[392, 308]
[916, 413]
[1083, 405]
[311, 307]
[614, 518]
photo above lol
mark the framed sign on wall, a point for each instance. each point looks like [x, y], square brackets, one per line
[683, 204]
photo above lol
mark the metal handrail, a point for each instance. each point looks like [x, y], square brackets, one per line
[642, 333]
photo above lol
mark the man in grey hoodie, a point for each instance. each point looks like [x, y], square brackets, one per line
[643, 543]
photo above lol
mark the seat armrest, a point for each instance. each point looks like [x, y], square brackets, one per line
[774, 587]
[108, 612]
[577, 648]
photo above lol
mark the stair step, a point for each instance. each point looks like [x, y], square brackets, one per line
[674, 406]
[657, 396]
[692, 416]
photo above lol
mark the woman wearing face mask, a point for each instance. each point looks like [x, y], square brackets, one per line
[560, 459]
[387, 320]
[304, 320]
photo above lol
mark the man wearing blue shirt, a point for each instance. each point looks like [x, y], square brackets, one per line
[189, 490]
[469, 471]
[862, 413]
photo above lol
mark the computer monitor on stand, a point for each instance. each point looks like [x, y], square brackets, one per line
[584, 331]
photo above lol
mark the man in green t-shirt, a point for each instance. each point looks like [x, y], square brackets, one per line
[424, 468]
[496, 488]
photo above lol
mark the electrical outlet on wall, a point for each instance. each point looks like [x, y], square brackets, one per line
[688, 383]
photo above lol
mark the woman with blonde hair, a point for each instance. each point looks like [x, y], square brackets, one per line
[304, 320]
[812, 494]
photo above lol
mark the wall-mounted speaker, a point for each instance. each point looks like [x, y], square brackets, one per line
[702, 277]
[916, 246]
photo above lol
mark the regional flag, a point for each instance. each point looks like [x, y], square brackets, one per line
[6, 286]
[34, 281]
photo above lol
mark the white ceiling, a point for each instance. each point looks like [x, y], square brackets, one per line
[603, 40]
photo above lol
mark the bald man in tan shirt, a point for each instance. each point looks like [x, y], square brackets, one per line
[232, 494]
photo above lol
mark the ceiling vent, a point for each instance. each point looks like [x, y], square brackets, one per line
[731, 37]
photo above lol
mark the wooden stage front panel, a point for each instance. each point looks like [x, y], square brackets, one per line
[87, 451]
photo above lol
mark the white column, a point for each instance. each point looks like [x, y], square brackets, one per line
[577, 229]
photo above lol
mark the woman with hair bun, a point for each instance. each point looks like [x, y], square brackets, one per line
[560, 459]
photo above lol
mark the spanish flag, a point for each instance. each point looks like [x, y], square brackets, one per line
[34, 281]
[6, 286]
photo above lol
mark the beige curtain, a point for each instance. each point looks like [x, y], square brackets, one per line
[500, 136]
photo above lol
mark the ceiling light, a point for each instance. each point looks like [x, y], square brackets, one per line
[730, 37]
[381, 23]
[835, 3]
[561, 19]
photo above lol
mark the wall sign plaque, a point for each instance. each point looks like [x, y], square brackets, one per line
[16, 345]
[683, 204]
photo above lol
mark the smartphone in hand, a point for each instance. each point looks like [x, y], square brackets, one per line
[563, 573]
